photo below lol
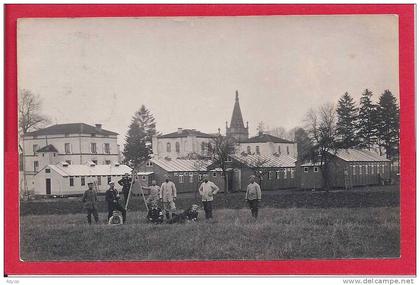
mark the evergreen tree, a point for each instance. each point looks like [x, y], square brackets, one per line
[367, 120]
[346, 121]
[389, 124]
[137, 148]
[304, 145]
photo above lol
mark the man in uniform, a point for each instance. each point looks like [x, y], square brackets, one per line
[253, 196]
[112, 198]
[155, 214]
[168, 197]
[154, 192]
[207, 190]
[125, 182]
[89, 202]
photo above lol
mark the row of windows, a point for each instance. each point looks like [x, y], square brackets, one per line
[204, 147]
[368, 169]
[306, 169]
[257, 150]
[99, 179]
[68, 149]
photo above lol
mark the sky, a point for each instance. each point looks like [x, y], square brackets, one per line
[186, 70]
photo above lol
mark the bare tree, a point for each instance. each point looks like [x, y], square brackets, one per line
[321, 128]
[30, 117]
[220, 149]
[279, 132]
[259, 167]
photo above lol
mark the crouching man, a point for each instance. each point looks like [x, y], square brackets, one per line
[89, 202]
[189, 215]
[155, 214]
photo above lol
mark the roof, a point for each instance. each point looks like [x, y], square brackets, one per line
[86, 170]
[266, 161]
[73, 128]
[145, 173]
[358, 155]
[48, 148]
[237, 121]
[264, 138]
[175, 165]
[185, 133]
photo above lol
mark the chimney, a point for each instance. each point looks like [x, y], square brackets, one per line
[98, 126]
[179, 130]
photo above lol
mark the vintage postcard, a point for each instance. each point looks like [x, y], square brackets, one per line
[198, 138]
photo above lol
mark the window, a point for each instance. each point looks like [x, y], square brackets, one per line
[305, 169]
[67, 148]
[269, 175]
[35, 148]
[354, 170]
[47, 170]
[366, 169]
[383, 168]
[191, 179]
[149, 163]
[177, 148]
[214, 174]
[143, 177]
[68, 162]
[93, 147]
[316, 169]
[277, 175]
[168, 147]
[181, 178]
[257, 149]
[360, 169]
[287, 150]
[71, 181]
[285, 173]
[279, 150]
[108, 179]
[99, 180]
[107, 162]
[82, 181]
[248, 149]
[378, 170]
[107, 149]
[292, 173]
[36, 165]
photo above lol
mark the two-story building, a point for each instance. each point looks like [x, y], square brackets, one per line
[75, 143]
[265, 144]
[181, 144]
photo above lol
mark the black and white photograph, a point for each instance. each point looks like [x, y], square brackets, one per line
[209, 138]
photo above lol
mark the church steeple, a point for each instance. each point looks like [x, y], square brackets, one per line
[237, 128]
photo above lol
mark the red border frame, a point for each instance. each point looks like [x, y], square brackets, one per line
[405, 265]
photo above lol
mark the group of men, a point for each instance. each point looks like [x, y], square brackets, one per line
[166, 195]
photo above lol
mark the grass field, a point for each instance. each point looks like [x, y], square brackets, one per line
[292, 233]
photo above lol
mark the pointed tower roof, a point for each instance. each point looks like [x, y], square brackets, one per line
[237, 120]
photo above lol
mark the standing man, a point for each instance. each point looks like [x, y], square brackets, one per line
[125, 182]
[207, 190]
[154, 193]
[89, 202]
[253, 196]
[168, 197]
[112, 198]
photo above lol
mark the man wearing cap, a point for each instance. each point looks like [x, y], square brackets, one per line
[112, 198]
[154, 192]
[125, 182]
[89, 202]
[253, 196]
[168, 197]
[207, 190]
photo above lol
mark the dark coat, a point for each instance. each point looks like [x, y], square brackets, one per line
[155, 216]
[89, 199]
[125, 182]
[112, 196]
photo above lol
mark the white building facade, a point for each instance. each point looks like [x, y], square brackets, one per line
[265, 144]
[181, 144]
[76, 143]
